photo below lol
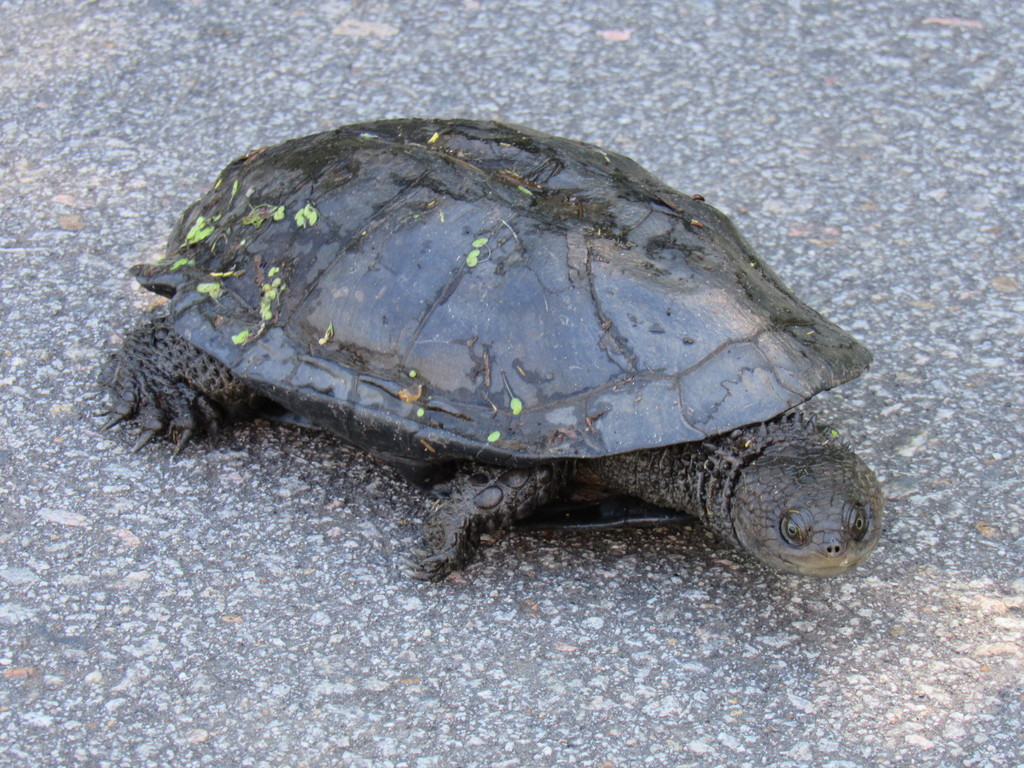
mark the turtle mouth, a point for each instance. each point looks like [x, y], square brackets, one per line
[821, 565]
[819, 568]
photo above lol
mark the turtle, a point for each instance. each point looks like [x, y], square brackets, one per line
[506, 317]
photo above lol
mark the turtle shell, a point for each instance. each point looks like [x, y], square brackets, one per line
[440, 289]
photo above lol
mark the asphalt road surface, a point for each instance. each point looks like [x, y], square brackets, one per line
[243, 604]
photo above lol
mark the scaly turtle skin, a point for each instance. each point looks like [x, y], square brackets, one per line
[520, 313]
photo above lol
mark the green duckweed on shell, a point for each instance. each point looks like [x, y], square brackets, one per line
[213, 290]
[307, 216]
[262, 213]
[201, 230]
[328, 335]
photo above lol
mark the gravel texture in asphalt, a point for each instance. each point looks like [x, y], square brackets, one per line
[243, 603]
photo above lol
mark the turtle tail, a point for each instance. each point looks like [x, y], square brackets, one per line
[167, 385]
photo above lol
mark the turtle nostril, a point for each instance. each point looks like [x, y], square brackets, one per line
[834, 549]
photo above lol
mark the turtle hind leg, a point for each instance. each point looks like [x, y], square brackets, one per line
[481, 499]
[165, 384]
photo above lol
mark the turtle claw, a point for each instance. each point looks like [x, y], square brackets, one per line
[166, 386]
[182, 441]
[114, 420]
[428, 568]
[424, 564]
[144, 438]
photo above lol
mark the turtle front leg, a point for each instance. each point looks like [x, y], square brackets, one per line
[164, 383]
[482, 499]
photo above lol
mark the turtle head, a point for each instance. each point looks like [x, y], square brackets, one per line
[803, 502]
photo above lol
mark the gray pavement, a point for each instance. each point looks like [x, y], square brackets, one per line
[243, 604]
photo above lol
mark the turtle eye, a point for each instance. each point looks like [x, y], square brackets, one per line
[858, 524]
[792, 528]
